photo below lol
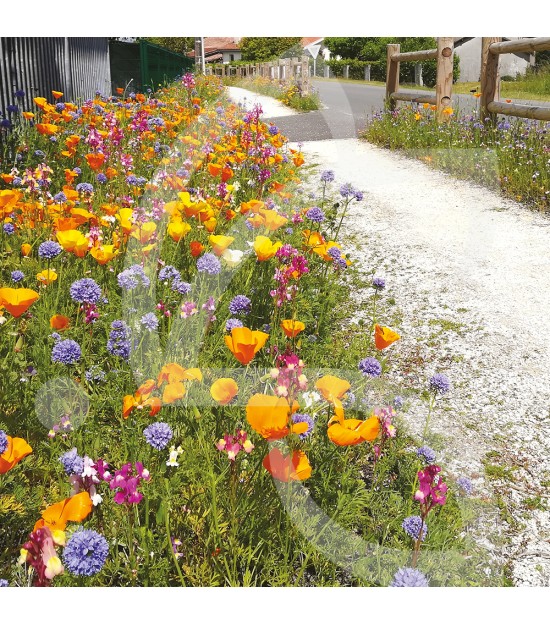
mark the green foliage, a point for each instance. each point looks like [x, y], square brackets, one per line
[181, 45]
[268, 48]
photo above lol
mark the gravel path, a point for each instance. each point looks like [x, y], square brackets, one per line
[469, 273]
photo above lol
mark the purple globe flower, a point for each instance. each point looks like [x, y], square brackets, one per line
[208, 263]
[86, 553]
[465, 486]
[240, 305]
[233, 323]
[119, 340]
[150, 321]
[398, 401]
[304, 418]
[379, 283]
[426, 453]
[158, 435]
[315, 214]
[169, 273]
[412, 525]
[84, 187]
[85, 291]
[49, 249]
[407, 577]
[72, 462]
[440, 384]
[3, 442]
[131, 278]
[9, 228]
[17, 275]
[327, 176]
[4, 583]
[66, 352]
[370, 367]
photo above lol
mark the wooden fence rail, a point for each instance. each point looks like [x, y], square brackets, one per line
[444, 81]
[290, 70]
[491, 49]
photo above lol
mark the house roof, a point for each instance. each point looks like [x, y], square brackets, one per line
[308, 41]
[214, 45]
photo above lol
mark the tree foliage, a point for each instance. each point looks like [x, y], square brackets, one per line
[267, 48]
[181, 45]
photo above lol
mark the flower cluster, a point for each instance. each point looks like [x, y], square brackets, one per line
[126, 482]
[119, 340]
[233, 444]
[431, 489]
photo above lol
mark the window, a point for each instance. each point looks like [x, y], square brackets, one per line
[231, 57]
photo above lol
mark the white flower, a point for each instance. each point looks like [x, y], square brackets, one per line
[96, 499]
[232, 257]
[311, 397]
[174, 453]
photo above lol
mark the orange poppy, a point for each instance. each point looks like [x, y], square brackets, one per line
[57, 94]
[244, 343]
[59, 322]
[119, 90]
[8, 199]
[177, 229]
[214, 169]
[16, 450]
[47, 276]
[28, 115]
[384, 337]
[292, 328]
[293, 467]
[103, 253]
[140, 400]
[196, 248]
[47, 129]
[17, 301]
[224, 390]
[95, 161]
[269, 417]
[345, 432]
[75, 508]
[173, 392]
[172, 372]
[73, 241]
[26, 249]
[331, 387]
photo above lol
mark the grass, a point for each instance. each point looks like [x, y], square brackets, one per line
[287, 92]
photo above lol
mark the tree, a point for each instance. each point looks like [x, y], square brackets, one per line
[181, 45]
[259, 49]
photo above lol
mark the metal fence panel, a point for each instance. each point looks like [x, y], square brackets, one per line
[77, 66]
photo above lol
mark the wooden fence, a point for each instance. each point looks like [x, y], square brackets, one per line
[443, 54]
[289, 70]
[491, 49]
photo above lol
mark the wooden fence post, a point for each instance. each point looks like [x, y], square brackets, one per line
[444, 80]
[490, 79]
[418, 80]
[392, 74]
[305, 75]
[346, 71]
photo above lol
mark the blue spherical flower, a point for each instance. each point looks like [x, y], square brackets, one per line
[412, 525]
[208, 263]
[49, 249]
[9, 228]
[150, 321]
[315, 214]
[101, 178]
[72, 462]
[334, 252]
[3, 441]
[4, 583]
[39, 153]
[60, 197]
[370, 367]
[440, 384]
[427, 453]
[327, 175]
[131, 278]
[17, 275]
[304, 418]
[119, 340]
[20, 94]
[407, 577]
[95, 374]
[86, 553]
[347, 190]
[398, 401]
[181, 287]
[379, 283]
[158, 435]
[169, 273]
[85, 291]
[5, 123]
[240, 305]
[233, 323]
[465, 485]
[66, 352]
[84, 187]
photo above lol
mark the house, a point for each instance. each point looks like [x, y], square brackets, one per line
[220, 50]
[468, 50]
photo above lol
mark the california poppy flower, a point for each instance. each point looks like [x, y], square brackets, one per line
[59, 322]
[177, 229]
[140, 400]
[47, 129]
[8, 199]
[292, 327]
[269, 417]
[57, 94]
[172, 372]
[220, 243]
[26, 249]
[16, 450]
[244, 343]
[75, 508]
[73, 241]
[384, 337]
[196, 248]
[17, 301]
[103, 253]
[173, 391]
[47, 276]
[293, 467]
[345, 432]
[214, 169]
[265, 248]
[95, 160]
[331, 387]
[224, 390]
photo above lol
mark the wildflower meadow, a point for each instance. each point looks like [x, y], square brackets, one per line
[183, 401]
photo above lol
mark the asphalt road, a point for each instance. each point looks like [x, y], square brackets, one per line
[346, 106]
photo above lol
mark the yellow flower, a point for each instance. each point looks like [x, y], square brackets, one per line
[47, 276]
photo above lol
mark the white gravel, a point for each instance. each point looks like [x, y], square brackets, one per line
[470, 275]
[270, 106]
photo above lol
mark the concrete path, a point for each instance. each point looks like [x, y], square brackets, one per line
[469, 273]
